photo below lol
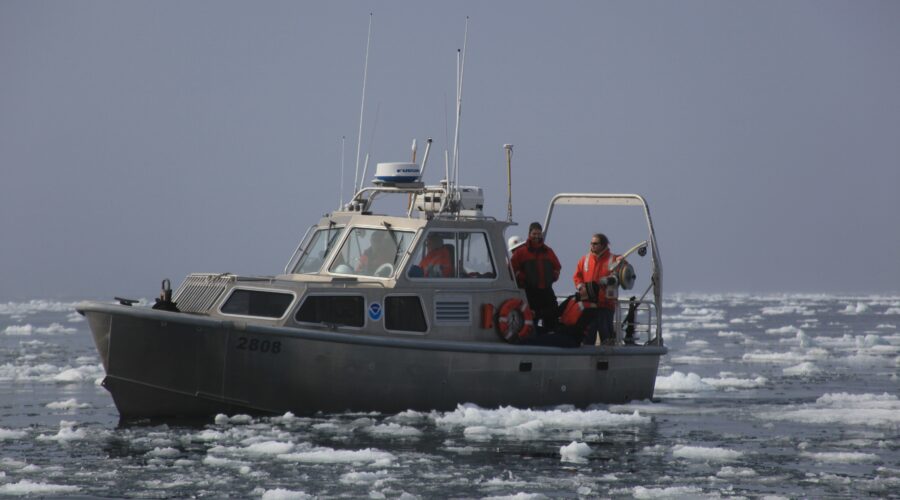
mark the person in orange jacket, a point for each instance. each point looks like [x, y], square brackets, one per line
[537, 268]
[438, 261]
[590, 284]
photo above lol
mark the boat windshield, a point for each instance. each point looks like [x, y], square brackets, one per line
[371, 252]
[319, 245]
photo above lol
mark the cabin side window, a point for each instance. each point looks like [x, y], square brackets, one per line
[316, 250]
[404, 314]
[339, 310]
[450, 254]
[258, 303]
[371, 252]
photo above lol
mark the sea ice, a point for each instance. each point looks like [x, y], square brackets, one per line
[519, 423]
[575, 452]
[642, 492]
[269, 448]
[859, 308]
[802, 370]
[783, 330]
[841, 457]
[325, 455]
[26, 487]
[67, 432]
[69, 404]
[705, 454]
[283, 494]
[10, 434]
[393, 430]
[376, 478]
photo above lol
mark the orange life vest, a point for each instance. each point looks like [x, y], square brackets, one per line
[591, 269]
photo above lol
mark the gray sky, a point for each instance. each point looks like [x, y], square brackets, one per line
[144, 140]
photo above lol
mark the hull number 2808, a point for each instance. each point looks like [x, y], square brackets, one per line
[251, 344]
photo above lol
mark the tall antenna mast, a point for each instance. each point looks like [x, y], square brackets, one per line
[362, 105]
[460, 71]
[341, 187]
[508, 148]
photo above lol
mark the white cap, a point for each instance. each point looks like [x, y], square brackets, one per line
[513, 242]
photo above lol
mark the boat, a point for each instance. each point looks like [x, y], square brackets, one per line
[386, 307]
[347, 328]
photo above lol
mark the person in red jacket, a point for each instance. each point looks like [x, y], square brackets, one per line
[537, 268]
[590, 284]
[438, 260]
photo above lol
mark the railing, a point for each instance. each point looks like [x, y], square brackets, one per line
[200, 291]
[644, 322]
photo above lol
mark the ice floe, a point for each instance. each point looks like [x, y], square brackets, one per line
[11, 434]
[783, 310]
[325, 455]
[841, 457]
[285, 494]
[858, 308]
[791, 330]
[69, 404]
[575, 452]
[26, 487]
[706, 454]
[67, 432]
[529, 424]
[804, 369]
[679, 382]
[844, 409]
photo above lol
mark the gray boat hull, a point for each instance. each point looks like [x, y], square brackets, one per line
[162, 364]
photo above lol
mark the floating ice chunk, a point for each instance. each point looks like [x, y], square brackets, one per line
[859, 308]
[731, 383]
[18, 330]
[735, 472]
[669, 492]
[79, 374]
[325, 455]
[782, 310]
[55, 328]
[10, 434]
[886, 326]
[222, 419]
[69, 404]
[26, 487]
[705, 454]
[844, 409]
[729, 334]
[376, 478]
[67, 432]
[785, 357]
[283, 494]
[393, 430]
[518, 423]
[517, 496]
[168, 451]
[74, 317]
[34, 306]
[575, 452]
[842, 457]
[783, 330]
[892, 311]
[804, 369]
[680, 382]
[269, 448]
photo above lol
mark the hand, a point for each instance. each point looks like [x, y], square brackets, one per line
[583, 293]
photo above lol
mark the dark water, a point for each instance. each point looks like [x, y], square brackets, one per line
[774, 396]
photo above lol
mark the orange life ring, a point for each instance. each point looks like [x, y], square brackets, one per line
[515, 321]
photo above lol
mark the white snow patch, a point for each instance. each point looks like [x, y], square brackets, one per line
[26, 487]
[705, 454]
[269, 448]
[680, 382]
[575, 452]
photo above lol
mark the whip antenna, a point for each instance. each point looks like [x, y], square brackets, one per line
[460, 71]
[508, 148]
[341, 187]
[362, 105]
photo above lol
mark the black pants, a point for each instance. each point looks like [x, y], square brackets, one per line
[542, 302]
[600, 321]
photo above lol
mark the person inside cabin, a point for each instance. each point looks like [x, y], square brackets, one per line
[381, 251]
[537, 268]
[438, 259]
[590, 283]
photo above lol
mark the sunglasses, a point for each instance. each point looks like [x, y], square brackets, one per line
[595, 243]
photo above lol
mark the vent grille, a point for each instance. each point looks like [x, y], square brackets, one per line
[200, 291]
[455, 312]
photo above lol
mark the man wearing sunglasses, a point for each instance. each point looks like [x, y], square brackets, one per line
[590, 281]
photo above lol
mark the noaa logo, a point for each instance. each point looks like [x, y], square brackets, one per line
[375, 311]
